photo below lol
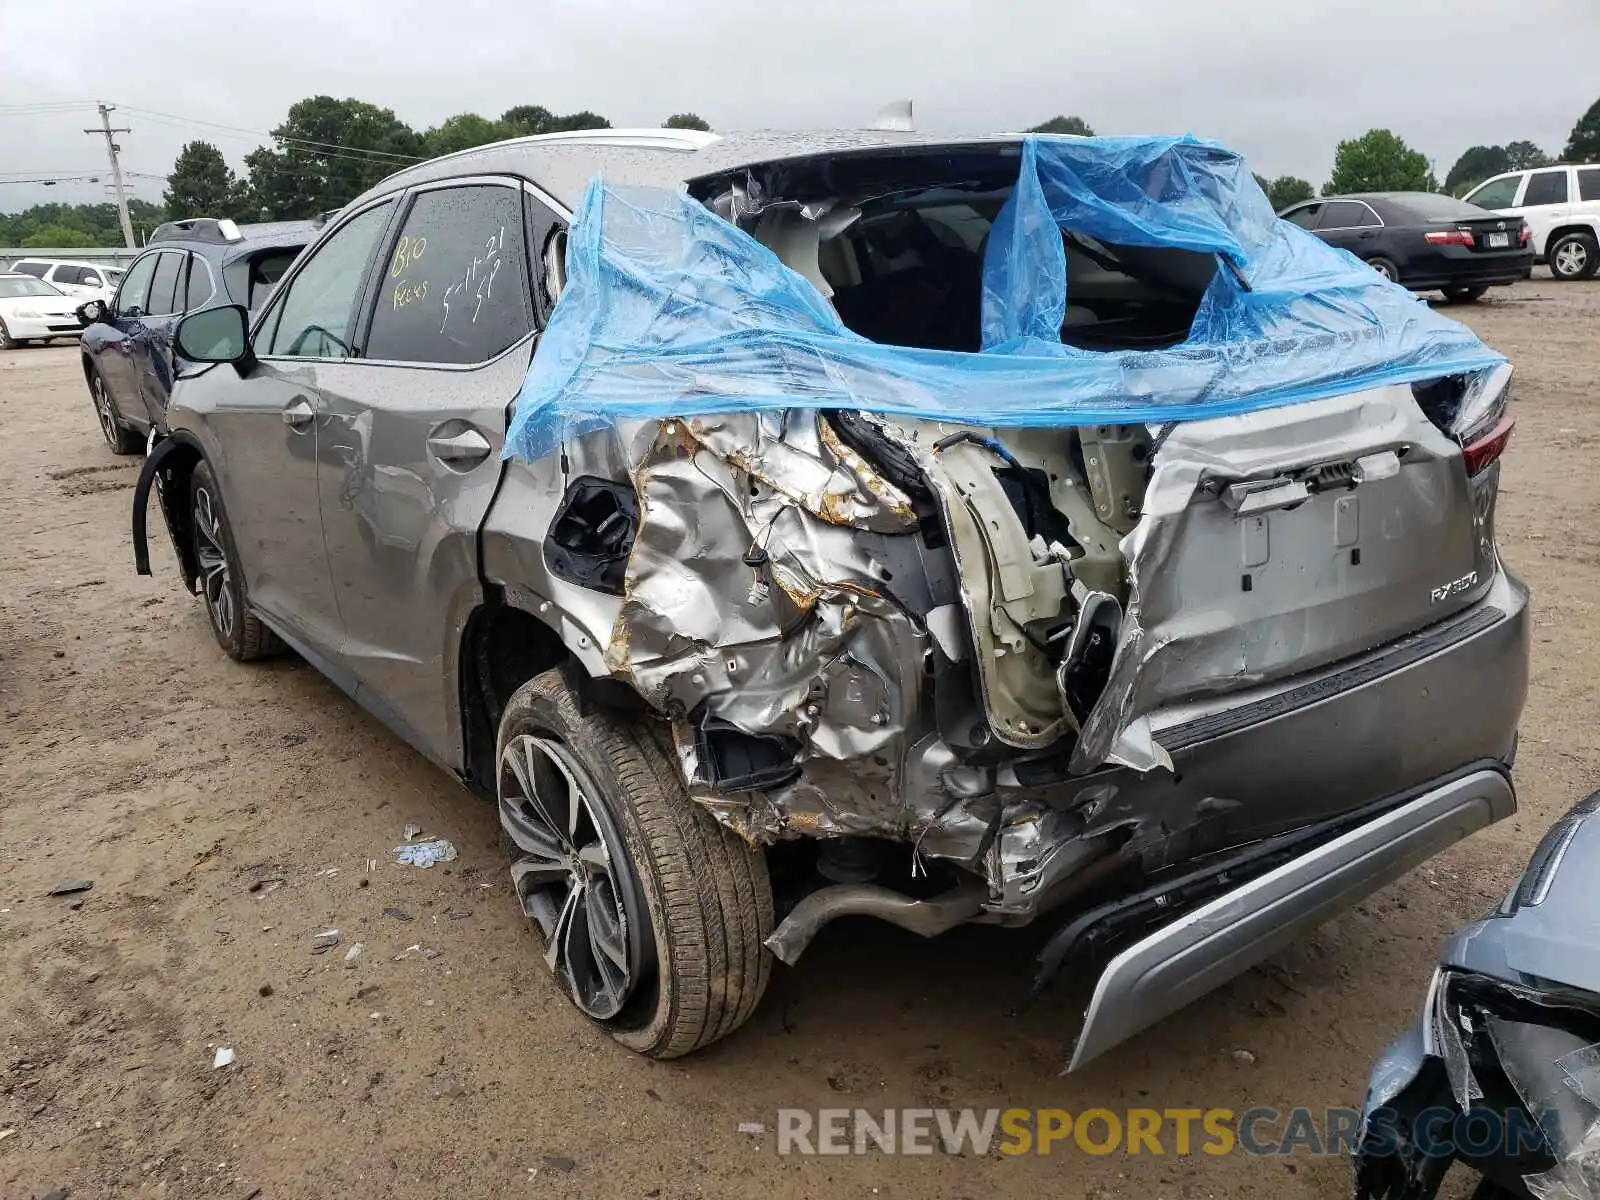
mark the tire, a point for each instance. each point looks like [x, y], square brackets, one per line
[241, 634]
[1573, 257]
[1464, 295]
[1385, 268]
[119, 437]
[692, 900]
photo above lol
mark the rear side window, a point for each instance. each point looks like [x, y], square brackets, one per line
[164, 296]
[200, 288]
[136, 287]
[1305, 217]
[37, 270]
[1497, 193]
[1589, 183]
[1546, 187]
[455, 290]
[1346, 214]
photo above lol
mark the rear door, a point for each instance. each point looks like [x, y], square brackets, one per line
[411, 439]
[265, 434]
[1351, 225]
[1545, 203]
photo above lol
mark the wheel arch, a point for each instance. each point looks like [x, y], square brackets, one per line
[172, 487]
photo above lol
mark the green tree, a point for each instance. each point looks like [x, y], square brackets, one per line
[1379, 161]
[51, 236]
[201, 183]
[686, 121]
[1075, 125]
[462, 132]
[328, 152]
[527, 119]
[1474, 166]
[1583, 146]
[1286, 190]
[1522, 156]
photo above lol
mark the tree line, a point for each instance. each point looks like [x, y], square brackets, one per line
[327, 151]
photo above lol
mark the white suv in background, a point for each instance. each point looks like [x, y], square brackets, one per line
[1561, 206]
[82, 280]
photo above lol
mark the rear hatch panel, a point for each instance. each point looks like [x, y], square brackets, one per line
[1277, 543]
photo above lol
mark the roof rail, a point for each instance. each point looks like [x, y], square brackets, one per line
[636, 139]
[198, 229]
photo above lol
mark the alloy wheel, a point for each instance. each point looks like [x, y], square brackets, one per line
[1571, 258]
[215, 577]
[102, 409]
[571, 873]
[1383, 269]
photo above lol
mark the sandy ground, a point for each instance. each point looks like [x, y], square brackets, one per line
[133, 754]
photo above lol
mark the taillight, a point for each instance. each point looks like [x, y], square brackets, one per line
[1525, 236]
[1485, 448]
[1449, 237]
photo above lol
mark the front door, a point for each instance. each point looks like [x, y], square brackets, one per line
[114, 357]
[152, 340]
[267, 435]
[412, 432]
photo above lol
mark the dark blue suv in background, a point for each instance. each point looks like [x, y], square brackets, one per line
[128, 356]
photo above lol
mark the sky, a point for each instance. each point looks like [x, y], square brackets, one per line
[1283, 83]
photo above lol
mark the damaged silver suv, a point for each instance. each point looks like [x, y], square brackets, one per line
[978, 531]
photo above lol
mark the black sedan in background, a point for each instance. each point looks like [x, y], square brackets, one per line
[1423, 240]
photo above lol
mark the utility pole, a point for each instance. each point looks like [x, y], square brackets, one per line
[116, 171]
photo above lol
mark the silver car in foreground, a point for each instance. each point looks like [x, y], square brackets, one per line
[677, 651]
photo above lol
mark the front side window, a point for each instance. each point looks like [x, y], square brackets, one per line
[314, 319]
[1497, 193]
[88, 277]
[1305, 216]
[136, 287]
[455, 290]
[165, 295]
[1546, 187]
[1589, 183]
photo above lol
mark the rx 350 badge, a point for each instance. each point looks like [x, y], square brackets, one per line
[1454, 587]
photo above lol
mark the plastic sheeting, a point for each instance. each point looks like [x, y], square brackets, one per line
[669, 310]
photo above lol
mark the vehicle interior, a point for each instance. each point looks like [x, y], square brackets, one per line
[902, 257]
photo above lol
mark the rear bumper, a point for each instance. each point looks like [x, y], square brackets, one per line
[1182, 961]
[1469, 269]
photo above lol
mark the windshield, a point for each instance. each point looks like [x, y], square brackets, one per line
[113, 275]
[13, 286]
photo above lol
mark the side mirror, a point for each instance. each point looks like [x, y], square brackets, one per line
[93, 313]
[216, 335]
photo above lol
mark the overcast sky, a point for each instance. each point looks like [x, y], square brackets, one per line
[1281, 82]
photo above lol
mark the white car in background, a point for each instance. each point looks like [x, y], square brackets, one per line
[1561, 206]
[32, 310]
[85, 280]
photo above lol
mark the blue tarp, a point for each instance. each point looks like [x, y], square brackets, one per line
[669, 310]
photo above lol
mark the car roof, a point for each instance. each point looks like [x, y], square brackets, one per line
[564, 163]
[64, 262]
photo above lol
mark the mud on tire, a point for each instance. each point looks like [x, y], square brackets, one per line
[705, 892]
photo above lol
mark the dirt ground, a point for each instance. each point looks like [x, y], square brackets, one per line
[134, 755]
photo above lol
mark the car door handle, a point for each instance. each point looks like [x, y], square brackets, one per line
[298, 413]
[468, 446]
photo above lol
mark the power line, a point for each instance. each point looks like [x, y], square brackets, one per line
[196, 122]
